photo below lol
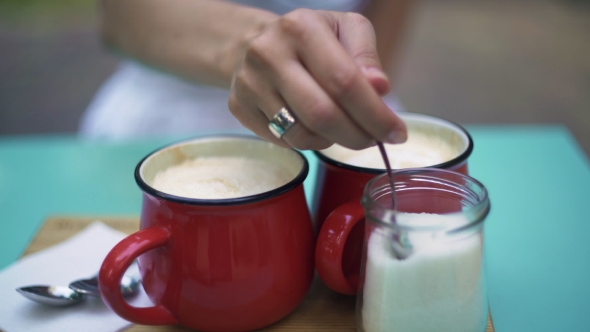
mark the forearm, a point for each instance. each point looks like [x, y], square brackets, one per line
[200, 40]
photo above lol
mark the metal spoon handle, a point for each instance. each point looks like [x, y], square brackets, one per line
[400, 250]
[389, 173]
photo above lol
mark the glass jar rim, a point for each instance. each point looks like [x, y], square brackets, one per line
[478, 211]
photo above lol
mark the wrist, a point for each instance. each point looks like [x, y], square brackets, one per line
[230, 55]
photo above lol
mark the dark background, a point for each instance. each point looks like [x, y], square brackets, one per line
[472, 62]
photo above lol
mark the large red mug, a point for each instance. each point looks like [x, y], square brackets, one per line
[341, 178]
[233, 264]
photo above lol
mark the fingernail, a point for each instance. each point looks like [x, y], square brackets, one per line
[397, 137]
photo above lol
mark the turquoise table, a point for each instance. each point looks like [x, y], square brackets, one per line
[538, 233]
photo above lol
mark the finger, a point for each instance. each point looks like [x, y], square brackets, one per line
[254, 103]
[317, 111]
[377, 79]
[301, 138]
[255, 120]
[340, 77]
[242, 104]
[255, 83]
[357, 37]
[298, 136]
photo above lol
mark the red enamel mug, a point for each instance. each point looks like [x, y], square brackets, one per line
[339, 187]
[233, 264]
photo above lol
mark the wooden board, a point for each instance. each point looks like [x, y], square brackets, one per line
[321, 310]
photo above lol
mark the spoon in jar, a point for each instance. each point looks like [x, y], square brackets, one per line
[400, 248]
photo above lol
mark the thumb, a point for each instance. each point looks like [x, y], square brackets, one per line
[378, 79]
[357, 36]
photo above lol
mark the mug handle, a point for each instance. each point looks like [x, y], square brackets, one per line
[114, 267]
[330, 248]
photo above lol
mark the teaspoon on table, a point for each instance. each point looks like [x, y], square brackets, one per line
[76, 292]
[58, 296]
[129, 285]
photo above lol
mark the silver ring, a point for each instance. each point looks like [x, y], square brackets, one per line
[281, 122]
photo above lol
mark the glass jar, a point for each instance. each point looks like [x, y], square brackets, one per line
[423, 264]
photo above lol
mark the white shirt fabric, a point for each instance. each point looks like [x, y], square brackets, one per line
[137, 101]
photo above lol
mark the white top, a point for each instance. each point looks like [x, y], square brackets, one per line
[137, 101]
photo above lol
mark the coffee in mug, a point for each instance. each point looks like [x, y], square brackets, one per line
[221, 177]
[427, 145]
[342, 173]
[226, 241]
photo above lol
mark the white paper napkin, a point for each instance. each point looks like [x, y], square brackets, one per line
[76, 258]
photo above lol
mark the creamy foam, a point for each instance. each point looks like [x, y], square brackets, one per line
[221, 177]
[424, 147]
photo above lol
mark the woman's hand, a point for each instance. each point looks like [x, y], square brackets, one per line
[324, 68]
